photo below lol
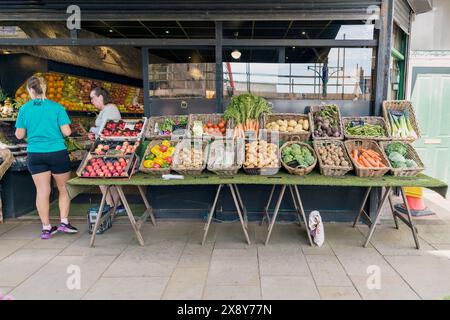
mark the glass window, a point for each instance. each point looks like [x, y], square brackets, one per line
[326, 29]
[188, 73]
[307, 73]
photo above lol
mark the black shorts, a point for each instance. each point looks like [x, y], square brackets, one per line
[57, 162]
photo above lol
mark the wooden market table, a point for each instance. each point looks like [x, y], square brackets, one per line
[282, 179]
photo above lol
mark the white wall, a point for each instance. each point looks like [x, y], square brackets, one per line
[431, 30]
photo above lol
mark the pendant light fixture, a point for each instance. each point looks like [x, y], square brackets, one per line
[236, 54]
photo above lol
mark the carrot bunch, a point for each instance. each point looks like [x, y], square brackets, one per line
[367, 158]
[248, 125]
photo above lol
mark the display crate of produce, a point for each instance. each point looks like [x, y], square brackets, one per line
[298, 158]
[125, 129]
[207, 126]
[326, 122]
[190, 156]
[333, 158]
[403, 158]
[8, 137]
[113, 148]
[261, 158]
[365, 128]
[158, 157]
[367, 158]
[401, 120]
[226, 156]
[78, 130]
[170, 126]
[94, 166]
[290, 126]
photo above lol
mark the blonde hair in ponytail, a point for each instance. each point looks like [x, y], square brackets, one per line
[38, 85]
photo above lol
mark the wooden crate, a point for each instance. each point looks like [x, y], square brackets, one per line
[129, 169]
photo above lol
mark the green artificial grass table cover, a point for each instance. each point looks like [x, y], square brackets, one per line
[282, 178]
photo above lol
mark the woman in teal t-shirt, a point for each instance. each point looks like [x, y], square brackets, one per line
[45, 123]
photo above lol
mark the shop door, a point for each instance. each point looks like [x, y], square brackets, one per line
[431, 98]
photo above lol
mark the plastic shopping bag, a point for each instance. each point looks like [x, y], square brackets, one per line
[316, 228]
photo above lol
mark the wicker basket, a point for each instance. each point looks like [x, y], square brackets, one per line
[315, 109]
[412, 154]
[400, 105]
[184, 144]
[289, 136]
[351, 145]
[153, 121]
[331, 170]
[8, 159]
[239, 151]
[263, 171]
[298, 171]
[205, 118]
[369, 120]
[154, 171]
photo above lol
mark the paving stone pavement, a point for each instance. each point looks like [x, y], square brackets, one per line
[174, 265]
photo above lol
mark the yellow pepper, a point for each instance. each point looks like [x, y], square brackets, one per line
[166, 154]
[159, 161]
[155, 150]
[166, 143]
[171, 150]
[148, 163]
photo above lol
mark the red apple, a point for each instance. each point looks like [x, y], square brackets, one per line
[123, 164]
[108, 174]
[115, 174]
[104, 167]
[92, 174]
[86, 174]
[101, 174]
[89, 168]
[124, 174]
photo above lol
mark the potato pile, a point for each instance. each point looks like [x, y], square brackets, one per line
[261, 154]
[332, 155]
[286, 126]
[189, 157]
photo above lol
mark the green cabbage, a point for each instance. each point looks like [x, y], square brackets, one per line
[397, 147]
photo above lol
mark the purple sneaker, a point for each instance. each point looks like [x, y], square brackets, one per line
[47, 234]
[67, 228]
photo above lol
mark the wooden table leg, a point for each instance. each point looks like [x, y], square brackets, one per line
[266, 208]
[302, 211]
[99, 216]
[236, 203]
[393, 212]
[130, 215]
[378, 215]
[148, 209]
[411, 224]
[275, 213]
[241, 203]
[211, 212]
[363, 204]
[297, 210]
